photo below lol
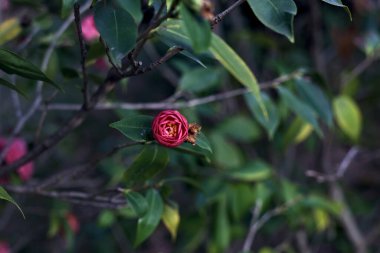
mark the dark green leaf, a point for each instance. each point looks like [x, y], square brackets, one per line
[203, 142]
[271, 122]
[240, 128]
[339, 4]
[278, 15]
[236, 66]
[225, 153]
[222, 226]
[146, 165]
[255, 171]
[197, 29]
[15, 64]
[136, 128]
[300, 108]
[117, 28]
[137, 202]
[67, 6]
[148, 223]
[200, 79]
[171, 34]
[12, 86]
[133, 7]
[4, 195]
[314, 97]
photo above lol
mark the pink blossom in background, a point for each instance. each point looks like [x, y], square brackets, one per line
[101, 64]
[4, 247]
[18, 149]
[89, 30]
[4, 6]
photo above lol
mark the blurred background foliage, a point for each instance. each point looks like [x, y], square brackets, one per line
[304, 180]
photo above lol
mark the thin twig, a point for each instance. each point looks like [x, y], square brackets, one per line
[83, 51]
[221, 15]
[38, 99]
[257, 222]
[341, 170]
[179, 105]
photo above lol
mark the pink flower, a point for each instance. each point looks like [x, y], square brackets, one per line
[4, 247]
[16, 150]
[89, 30]
[73, 222]
[170, 128]
[4, 6]
[101, 64]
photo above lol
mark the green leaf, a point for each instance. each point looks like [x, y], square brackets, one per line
[278, 15]
[203, 142]
[271, 122]
[200, 79]
[236, 66]
[4, 195]
[67, 6]
[117, 27]
[137, 202]
[151, 160]
[315, 98]
[298, 131]
[106, 219]
[148, 223]
[240, 128]
[348, 116]
[15, 64]
[133, 7]
[300, 108]
[12, 86]
[222, 226]
[197, 29]
[255, 171]
[225, 153]
[171, 219]
[339, 4]
[136, 128]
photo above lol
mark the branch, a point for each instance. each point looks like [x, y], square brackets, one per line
[76, 197]
[38, 100]
[83, 52]
[218, 18]
[257, 222]
[178, 105]
[342, 168]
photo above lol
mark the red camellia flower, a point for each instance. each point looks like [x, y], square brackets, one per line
[18, 149]
[170, 128]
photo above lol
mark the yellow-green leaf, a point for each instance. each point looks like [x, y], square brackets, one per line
[348, 116]
[9, 29]
[236, 66]
[171, 219]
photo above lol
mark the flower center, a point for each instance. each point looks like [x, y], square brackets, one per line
[171, 129]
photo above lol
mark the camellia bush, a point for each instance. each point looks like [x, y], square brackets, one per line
[189, 126]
